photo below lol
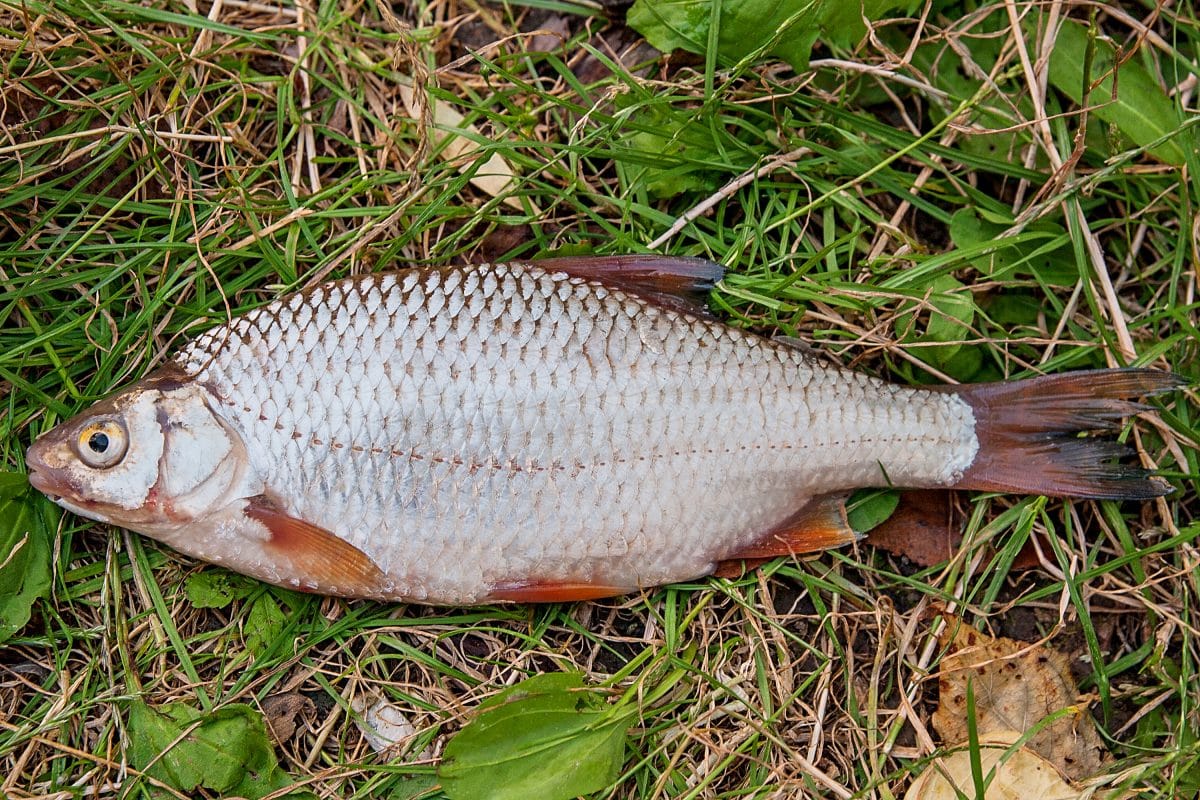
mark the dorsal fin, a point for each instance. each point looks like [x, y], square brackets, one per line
[674, 282]
[796, 344]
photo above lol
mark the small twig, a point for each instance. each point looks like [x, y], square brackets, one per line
[107, 129]
[263, 8]
[282, 222]
[880, 72]
[1035, 80]
[306, 148]
[726, 191]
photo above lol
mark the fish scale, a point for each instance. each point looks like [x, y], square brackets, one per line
[566, 429]
[530, 424]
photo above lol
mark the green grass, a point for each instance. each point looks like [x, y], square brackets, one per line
[160, 171]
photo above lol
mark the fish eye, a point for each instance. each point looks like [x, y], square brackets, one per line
[102, 444]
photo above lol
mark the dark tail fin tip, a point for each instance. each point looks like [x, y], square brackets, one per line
[1028, 433]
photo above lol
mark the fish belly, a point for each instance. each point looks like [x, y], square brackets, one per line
[490, 426]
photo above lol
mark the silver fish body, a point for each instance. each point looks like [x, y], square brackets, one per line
[478, 432]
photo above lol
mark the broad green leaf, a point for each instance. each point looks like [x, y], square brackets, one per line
[1042, 249]
[955, 307]
[264, 624]
[1141, 109]
[225, 751]
[413, 786]
[945, 317]
[551, 683]
[841, 23]
[547, 737]
[786, 29]
[963, 364]
[26, 530]
[948, 71]
[870, 508]
[216, 588]
[673, 151]
[667, 181]
[1013, 308]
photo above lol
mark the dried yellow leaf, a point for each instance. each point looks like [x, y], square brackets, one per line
[1020, 775]
[1016, 686]
[494, 176]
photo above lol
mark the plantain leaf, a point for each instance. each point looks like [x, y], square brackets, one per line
[1141, 109]
[1042, 250]
[946, 323]
[264, 624]
[547, 737]
[216, 588]
[783, 28]
[26, 526]
[669, 152]
[870, 508]
[994, 131]
[226, 751]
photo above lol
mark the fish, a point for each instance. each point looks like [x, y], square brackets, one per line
[547, 430]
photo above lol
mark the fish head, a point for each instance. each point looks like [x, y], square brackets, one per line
[151, 458]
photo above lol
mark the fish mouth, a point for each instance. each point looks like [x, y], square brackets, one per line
[42, 475]
[56, 483]
[44, 482]
[61, 494]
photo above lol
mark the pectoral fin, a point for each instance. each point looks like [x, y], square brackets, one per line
[311, 558]
[820, 525]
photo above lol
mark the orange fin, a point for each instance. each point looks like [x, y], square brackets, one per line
[680, 284]
[737, 567]
[553, 592]
[820, 525]
[320, 559]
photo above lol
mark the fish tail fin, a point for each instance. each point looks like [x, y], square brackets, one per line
[1028, 434]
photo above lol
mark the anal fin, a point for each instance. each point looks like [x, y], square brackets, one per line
[552, 591]
[820, 525]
